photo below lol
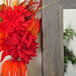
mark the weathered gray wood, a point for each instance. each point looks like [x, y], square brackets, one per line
[52, 41]
[69, 2]
[69, 6]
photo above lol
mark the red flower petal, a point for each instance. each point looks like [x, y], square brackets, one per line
[18, 32]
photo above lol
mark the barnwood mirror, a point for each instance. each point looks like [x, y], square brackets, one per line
[52, 42]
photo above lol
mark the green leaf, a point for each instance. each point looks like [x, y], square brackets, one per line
[68, 55]
[1, 9]
[65, 59]
[68, 34]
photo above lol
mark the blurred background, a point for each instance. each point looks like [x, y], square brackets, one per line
[69, 22]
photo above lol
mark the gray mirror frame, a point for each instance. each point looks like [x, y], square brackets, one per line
[52, 37]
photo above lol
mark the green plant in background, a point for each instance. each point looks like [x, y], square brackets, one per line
[68, 34]
[68, 54]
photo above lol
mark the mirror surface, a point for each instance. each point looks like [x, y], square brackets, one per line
[69, 23]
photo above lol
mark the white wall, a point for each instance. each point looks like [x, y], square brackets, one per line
[69, 21]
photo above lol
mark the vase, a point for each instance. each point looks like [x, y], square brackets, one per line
[13, 68]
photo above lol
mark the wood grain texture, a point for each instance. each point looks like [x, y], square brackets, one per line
[52, 40]
[69, 2]
[52, 36]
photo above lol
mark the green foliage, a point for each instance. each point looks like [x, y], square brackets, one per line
[68, 54]
[1, 9]
[68, 34]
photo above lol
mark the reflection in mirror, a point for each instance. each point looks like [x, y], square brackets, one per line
[69, 23]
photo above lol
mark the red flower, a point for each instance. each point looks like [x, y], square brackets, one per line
[18, 33]
[20, 44]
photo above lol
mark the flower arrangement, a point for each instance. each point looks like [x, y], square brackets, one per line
[19, 29]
